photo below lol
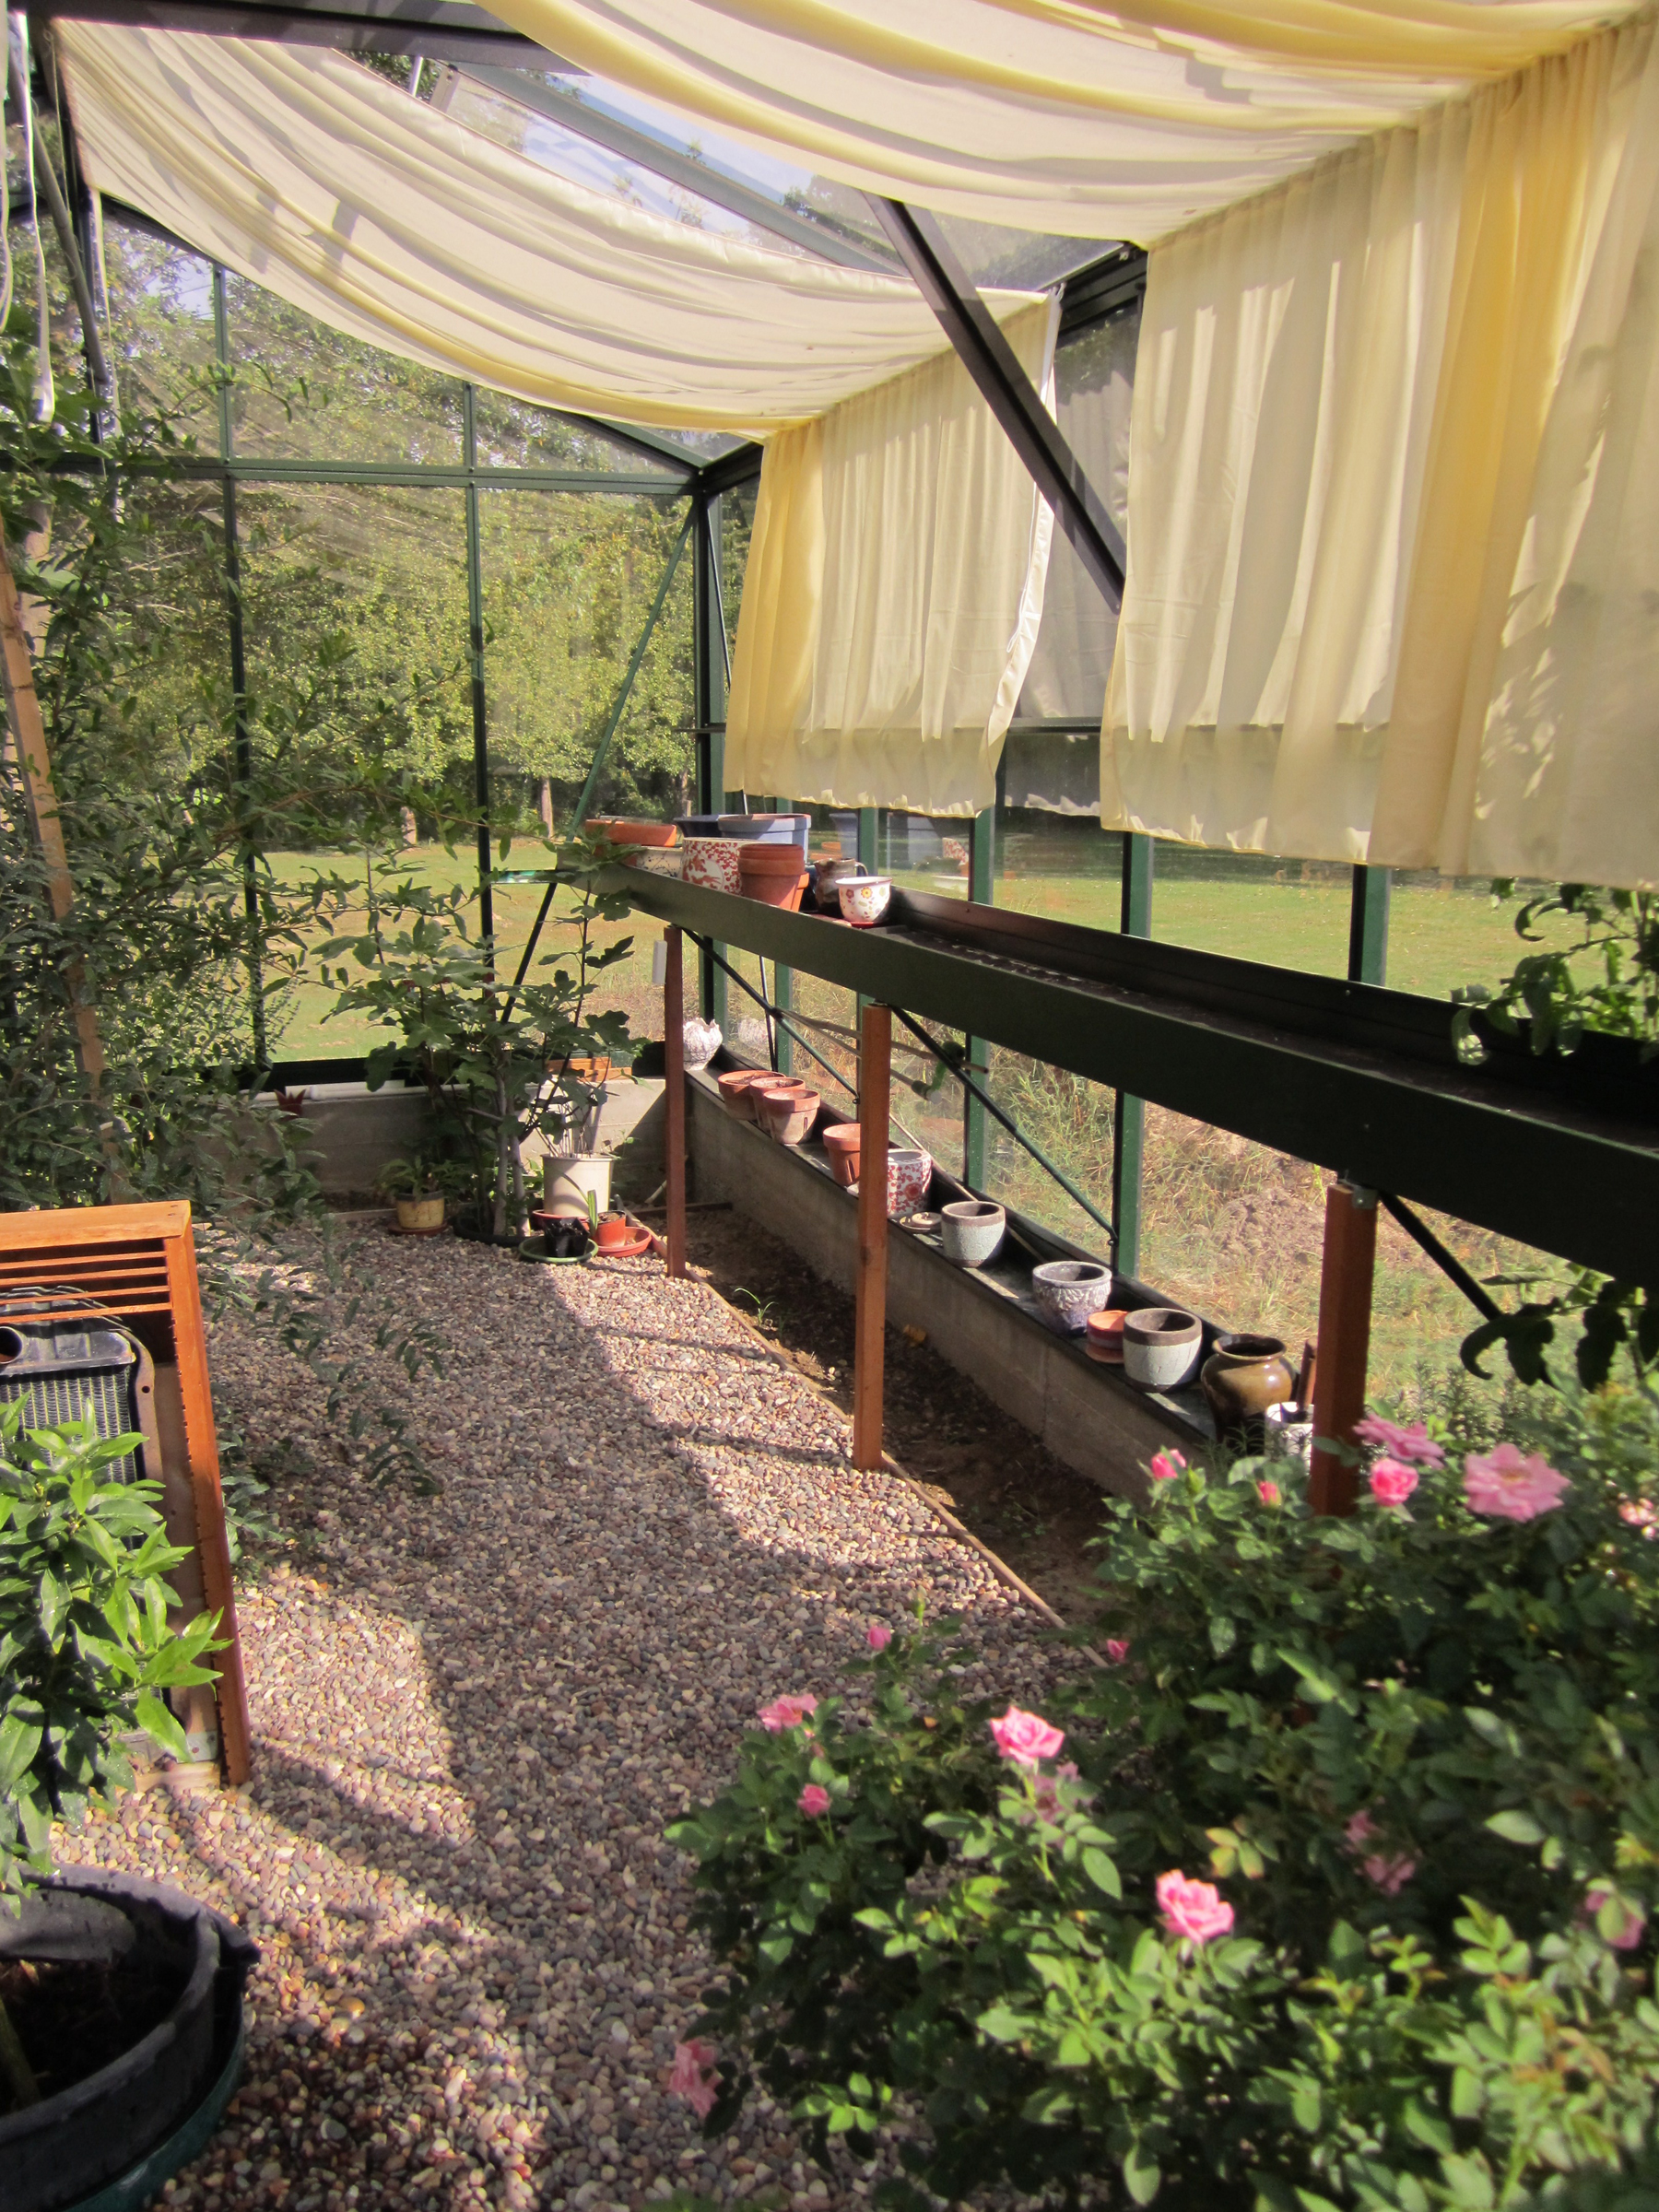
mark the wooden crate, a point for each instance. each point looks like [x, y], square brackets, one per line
[138, 1264]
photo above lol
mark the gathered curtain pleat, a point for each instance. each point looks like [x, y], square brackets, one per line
[892, 597]
[1338, 456]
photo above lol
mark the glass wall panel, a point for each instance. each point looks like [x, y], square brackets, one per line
[1293, 914]
[1447, 930]
[512, 434]
[355, 610]
[1068, 869]
[160, 334]
[304, 392]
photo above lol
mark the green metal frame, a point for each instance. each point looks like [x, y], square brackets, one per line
[1129, 1111]
[1507, 1159]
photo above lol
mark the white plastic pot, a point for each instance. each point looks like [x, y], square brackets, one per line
[566, 1184]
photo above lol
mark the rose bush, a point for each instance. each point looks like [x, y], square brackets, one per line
[1343, 1894]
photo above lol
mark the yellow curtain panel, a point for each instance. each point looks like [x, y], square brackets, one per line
[1060, 115]
[1351, 439]
[893, 595]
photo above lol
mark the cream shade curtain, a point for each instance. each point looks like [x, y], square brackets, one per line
[892, 597]
[1340, 399]
[306, 173]
[1061, 115]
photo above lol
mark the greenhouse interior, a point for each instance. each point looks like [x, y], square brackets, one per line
[603, 604]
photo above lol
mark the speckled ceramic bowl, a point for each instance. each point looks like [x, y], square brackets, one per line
[972, 1231]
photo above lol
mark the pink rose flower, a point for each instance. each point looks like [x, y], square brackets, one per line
[1632, 1919]
[786, 1712]
[1513, 1486]
[1193, 1910]
[1166, 1465]
[692, 2076]
[1268, 1492]
[1640, 1513]
[1025, 1738]
[814, 1801]
[1390, 1873]
[1117, 1651]
[1392, 1482]
[1413, 1442]
[877, 1637]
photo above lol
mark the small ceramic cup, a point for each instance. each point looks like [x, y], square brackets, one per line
[972, 1231]
[863, 899]
[1162, 1347]
[1068, 1291]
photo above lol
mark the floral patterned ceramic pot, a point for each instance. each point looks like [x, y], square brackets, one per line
[910, 1173]
[863, 899]
[713, 862]
[1068, 1291]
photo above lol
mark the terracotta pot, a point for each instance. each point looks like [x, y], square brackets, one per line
[420, 1217]
[1068, 1291]
[614, 832]
[972, 1231]
[787, 1113]
[771, 873]
[613, 1233]
[863, 899]
[1103, 1336]
[712, 863]
[1161, 1347]
[737, 1087]
[841, 1148]
[910, 1176]
[1242, 1378]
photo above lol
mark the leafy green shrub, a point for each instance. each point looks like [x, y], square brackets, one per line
[86, 1650]
[1340, 1896]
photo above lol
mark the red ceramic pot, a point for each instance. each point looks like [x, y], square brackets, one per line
[788, 1112]
[613, 831]
[773, 874]
[737, 1087]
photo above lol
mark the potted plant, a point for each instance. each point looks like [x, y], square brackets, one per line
[416, 1187]
[499, 1064]
[87, 1655]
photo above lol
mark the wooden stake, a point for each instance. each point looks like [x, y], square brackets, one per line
[1344, 1307]
[673, 1099]
[869, 1328]
[29, 741]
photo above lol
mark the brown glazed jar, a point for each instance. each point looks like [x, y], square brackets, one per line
[1242, 1378]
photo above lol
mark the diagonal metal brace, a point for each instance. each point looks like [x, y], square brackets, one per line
[1009, 391]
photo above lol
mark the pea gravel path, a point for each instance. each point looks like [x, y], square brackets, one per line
[474, 1715]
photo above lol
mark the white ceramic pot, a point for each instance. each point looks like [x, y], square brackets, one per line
[973, 1231]
[1162, 1347]
[566, 1184]
[712, 863]
[1068, 1291]
[863, 899]
[701, 1043]
[1287, 1433]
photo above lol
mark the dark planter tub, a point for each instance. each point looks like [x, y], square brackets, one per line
[106, 2143]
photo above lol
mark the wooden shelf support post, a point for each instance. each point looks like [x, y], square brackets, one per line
[869, 1328]
[1344, 1312]
[674, 1101]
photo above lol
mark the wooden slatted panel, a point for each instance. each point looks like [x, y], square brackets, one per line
[127, 1280]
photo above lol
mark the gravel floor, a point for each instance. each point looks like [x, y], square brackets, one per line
[474, 1714]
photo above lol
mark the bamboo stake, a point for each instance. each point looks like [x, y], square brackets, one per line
[674, 1101]
[1344, 1342]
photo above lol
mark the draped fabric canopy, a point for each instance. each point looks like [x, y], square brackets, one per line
[1089, 121]
[306, 173]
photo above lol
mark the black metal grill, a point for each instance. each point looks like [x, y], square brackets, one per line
[63, 1370]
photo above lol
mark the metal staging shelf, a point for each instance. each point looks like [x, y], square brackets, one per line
[1357, 1078]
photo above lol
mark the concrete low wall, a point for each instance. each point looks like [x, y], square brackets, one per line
[353, 1133]
[1086, 1415]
